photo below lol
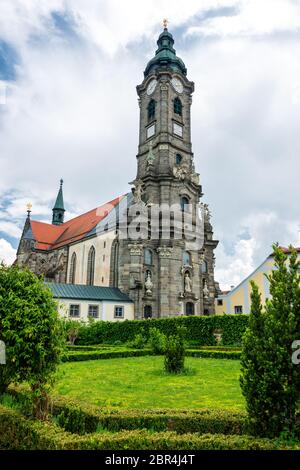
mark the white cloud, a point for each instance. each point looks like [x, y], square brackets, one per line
[253, 18]
[7, 252]
[10, 229]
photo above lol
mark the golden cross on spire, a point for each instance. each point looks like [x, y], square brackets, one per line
[165, 23]
[29, 206]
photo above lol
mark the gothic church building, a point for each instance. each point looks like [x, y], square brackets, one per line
[164, 276]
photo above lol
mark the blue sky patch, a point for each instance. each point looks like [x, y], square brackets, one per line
[8, 61]
[64, 23]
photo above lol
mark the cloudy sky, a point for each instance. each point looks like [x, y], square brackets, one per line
[68, 108]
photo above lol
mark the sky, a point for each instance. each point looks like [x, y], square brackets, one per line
[68, 109]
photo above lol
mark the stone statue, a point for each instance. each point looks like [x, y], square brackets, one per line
[138, 192]
[207, 212]
[205, 290]
[149, 283]
[187, 283]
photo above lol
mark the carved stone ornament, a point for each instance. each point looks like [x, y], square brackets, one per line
[195, 178]
[164, 251]
[149, 283]
[150, 158]
[135, 249]
[180, 172]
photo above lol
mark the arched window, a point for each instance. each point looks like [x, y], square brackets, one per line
[151, 110]
[184, 202]
[72, 272]
[147, 311]
[186, 259]
[204, 267]
[90, 267]
[189, 308]
[148, 258]
[177, 106]
[178, 159]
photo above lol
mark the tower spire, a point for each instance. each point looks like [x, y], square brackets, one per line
[165, 55]
[58, 210]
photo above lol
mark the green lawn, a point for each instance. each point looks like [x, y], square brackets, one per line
[139, 382]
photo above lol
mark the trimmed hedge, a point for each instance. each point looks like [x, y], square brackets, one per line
[17, 432]
[213, 354]
[200, 329]
[83, 418]
[99, 354]
[95, 354]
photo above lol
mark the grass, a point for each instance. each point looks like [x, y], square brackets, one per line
[141, 383]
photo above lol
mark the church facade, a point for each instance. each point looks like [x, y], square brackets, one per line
[155, 243]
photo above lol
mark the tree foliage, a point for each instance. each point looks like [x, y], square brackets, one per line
[31, 330]
[270, 381]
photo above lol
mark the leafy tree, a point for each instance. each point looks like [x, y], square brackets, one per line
[175, 351]
[32, 332]
[270, 381]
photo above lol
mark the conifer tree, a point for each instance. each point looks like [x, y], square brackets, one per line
[270, 381]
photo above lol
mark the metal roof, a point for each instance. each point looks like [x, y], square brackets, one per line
[83, 292]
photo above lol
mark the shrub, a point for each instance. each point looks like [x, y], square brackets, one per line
[31, 330]
[157, 341]
[175, 352]
[270, 381]
[71, 328]
[138, 342]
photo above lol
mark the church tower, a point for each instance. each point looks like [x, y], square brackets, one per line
[165, 275]
[58, 211]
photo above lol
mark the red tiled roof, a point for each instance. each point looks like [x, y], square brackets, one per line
[48, 236]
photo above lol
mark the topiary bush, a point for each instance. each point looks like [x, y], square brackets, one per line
[175, 352]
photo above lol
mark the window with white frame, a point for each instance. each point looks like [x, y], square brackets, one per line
[119, 311]
[74, 310]
[93, 311]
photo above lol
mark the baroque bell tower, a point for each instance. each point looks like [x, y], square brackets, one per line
[164, 274]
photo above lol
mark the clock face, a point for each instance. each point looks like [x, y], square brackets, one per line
[177, 85]
[151, 86]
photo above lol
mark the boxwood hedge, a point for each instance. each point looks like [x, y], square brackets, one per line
[18, 432]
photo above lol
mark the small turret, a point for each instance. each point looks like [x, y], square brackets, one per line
[59, 209]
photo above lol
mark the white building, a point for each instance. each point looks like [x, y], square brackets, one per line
[81, 302]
